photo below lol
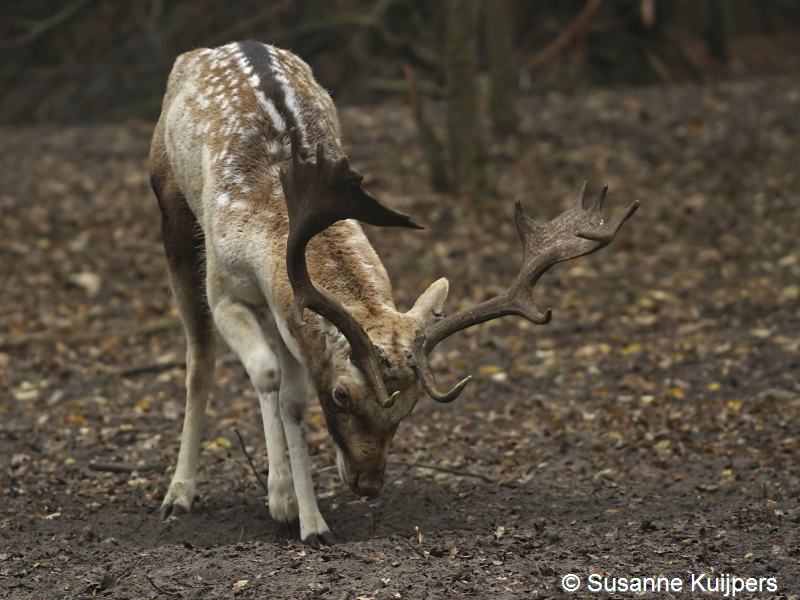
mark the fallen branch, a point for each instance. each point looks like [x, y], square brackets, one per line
[444, 470]
[511, 480]
[130, 330]
[158, 367]
[250, 460]
[565, 38]
[151, 368]
[158, 589]
[416, 550]
[117, 468]
[402, 474]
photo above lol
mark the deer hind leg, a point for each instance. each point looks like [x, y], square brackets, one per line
[243, 332]
[185, 261]
[293, 397]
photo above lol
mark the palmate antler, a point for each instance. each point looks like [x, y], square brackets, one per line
[318, 194]
[578, 231]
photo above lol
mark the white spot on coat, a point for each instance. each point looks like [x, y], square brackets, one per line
[269, 107]
[292, 105]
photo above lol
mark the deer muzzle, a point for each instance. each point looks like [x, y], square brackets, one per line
[363, 482]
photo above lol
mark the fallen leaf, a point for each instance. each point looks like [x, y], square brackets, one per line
[634, 348]
[735, 405]
[218, 443]
[90, 282]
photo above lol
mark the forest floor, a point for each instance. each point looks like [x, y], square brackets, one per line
[653, 428]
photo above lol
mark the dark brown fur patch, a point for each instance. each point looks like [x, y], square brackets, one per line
[258, 56]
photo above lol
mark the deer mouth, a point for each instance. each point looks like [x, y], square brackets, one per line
[367, 484]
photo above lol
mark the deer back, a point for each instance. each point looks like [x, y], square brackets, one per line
[230, 119]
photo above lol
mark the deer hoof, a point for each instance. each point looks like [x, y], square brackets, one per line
[314, 531]
[287, 531]
[319, 540]
[179, 499]
[172, 511]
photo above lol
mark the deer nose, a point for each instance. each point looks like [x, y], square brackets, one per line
[368, 484]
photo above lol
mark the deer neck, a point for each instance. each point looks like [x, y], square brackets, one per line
[325, 351]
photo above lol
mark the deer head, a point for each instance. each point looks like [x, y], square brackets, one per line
[374, 379]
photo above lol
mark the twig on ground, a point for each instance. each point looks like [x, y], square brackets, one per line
[416, 550]
[394, 496]
[157, 367]
[511, 480]
[250, 460]
[405, 471]
[445, 470]
[151, 368]
[117, 468]
[158, 589]
[129, 330]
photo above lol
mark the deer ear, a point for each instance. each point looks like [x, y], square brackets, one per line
[335, 343]
[430, 305]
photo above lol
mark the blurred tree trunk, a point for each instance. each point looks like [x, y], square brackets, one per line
[502, 67]
[433, 148]
[717, 16]
[461, 67]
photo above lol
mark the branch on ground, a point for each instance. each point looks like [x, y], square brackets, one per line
[52, 337]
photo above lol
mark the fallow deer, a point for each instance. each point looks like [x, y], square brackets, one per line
[259, 215]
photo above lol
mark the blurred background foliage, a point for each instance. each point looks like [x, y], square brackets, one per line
[78, 61]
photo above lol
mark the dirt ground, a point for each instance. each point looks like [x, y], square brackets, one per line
[650, 429]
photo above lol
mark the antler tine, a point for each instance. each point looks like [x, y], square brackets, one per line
[582, 196]
[318, 195]
[418, 359]
[604, 233]
[602, 198]
[425, 376]
[577, 231]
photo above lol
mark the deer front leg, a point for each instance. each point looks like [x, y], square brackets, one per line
[241, 329]
[293, 397]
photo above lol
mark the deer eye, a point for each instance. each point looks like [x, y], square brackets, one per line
[341, 398]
